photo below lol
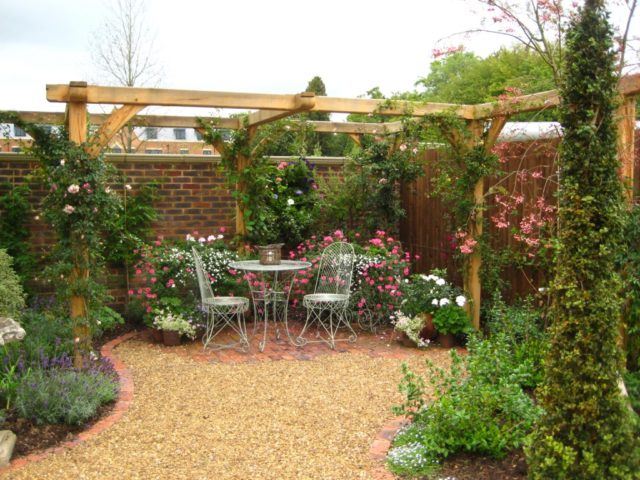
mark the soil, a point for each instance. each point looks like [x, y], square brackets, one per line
[34, 438]
[473, 467]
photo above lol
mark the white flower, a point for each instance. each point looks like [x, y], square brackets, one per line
[440, 281]
[444, 301]
[73, 188]
[127, 186]
[424, 277]
[202, 239]
[220, 236]
[461, 301]
[68, 209]
[290, 202]
[62, 162]
[434, 302]
[190, 238]
[211, 238]
[107, 190]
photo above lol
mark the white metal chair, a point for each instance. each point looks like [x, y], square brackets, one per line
[327, 307]
[221, 312]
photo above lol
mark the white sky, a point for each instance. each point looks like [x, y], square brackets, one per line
[266, 46]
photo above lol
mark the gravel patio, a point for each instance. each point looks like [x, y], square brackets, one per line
[285, 413]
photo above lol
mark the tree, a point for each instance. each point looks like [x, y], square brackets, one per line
[463, 77]
[123, 52]
[586, 431]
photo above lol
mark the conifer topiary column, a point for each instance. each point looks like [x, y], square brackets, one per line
[587, 430]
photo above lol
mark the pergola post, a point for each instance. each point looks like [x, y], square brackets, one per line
[243, 162]
[626, 143]
[76, 122]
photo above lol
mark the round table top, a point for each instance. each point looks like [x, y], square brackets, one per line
[256, 266]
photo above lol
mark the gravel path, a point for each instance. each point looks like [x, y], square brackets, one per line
[265, 420]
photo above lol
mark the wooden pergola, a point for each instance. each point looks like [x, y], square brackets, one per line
[485, 122]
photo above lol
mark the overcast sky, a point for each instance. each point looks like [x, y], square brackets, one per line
[267, 46]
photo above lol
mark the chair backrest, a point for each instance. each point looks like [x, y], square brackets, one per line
[203, 280]
[336, 269]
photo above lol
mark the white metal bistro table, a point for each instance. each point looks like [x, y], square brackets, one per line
[270, 287]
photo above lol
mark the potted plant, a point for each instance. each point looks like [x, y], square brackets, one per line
[173, 326]
[450, 320]
[423, 297]
[410, 327]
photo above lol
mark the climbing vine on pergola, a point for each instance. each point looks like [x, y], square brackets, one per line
[483, 121]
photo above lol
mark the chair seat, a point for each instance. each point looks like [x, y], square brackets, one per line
[227, 301]
[321, 298]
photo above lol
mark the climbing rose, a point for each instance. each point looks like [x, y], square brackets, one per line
[68, 209]
[73, 188]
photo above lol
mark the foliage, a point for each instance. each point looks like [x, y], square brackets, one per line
[370, 194]
[632, 383]
[167, 277]
[166, 320]
[480, 407]
[63, 395]
[14, 234]
[463, 77]
[289, 213]
[629, 265]
[522, 328]
[586, 431]
[274, 200]
[104, 319]
[451, 319]
[132, 223]
[11, 293]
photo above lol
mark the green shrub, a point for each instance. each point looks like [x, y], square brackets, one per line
[480, 407]
[522, 328]
[11, 294]
[63, 396]
[586, 431]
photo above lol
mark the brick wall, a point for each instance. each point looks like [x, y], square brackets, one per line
[192, 195]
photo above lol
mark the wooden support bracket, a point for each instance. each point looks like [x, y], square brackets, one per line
[118, 119]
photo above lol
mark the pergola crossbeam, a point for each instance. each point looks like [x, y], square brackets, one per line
[304, 102]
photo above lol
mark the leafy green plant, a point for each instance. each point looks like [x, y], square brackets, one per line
[14, 234]
[451, 319]
[522, 327]
[11, 294]
[64, 396]
[479, 407]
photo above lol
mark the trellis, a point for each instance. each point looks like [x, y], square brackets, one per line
[484, 121]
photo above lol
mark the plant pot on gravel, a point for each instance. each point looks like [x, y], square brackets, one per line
[157, 335]
[447, 340]
[171, 338]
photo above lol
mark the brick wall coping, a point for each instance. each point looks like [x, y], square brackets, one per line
[173, 158]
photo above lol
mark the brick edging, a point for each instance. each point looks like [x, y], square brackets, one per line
[125, 397]
[380, 447]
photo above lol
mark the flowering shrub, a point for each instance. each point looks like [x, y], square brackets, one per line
[167, 278]
[380, 267]
[289, 210]
[427, 293]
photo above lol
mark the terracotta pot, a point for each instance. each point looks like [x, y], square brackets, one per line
[428, 332]
[404, 340]
[171, 338]
[447, 340]
[157, 335]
